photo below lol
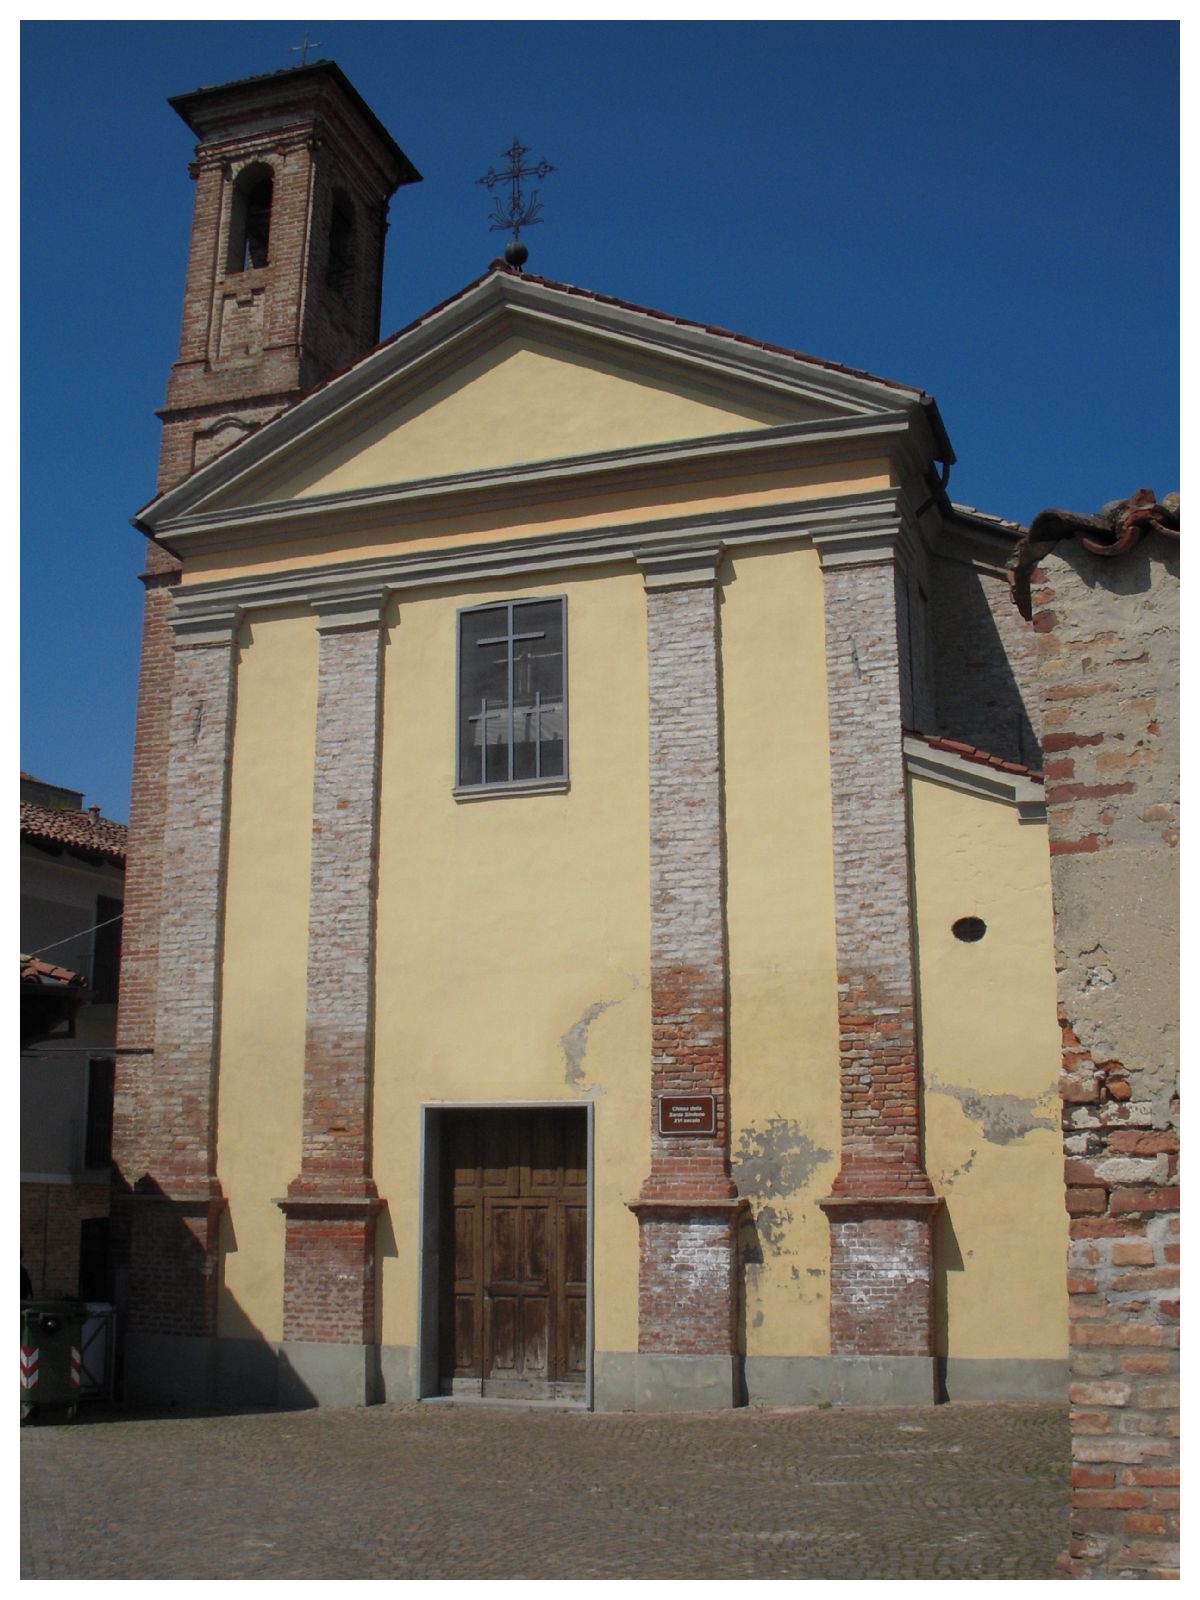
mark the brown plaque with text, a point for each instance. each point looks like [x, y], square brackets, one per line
[687, 1113]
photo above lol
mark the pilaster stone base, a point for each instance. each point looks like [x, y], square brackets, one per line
[841, 1380]
[881, 1275]
[169, 1369]
[329, 1270]
[687, 1278]
[325, 1374]
[647, 1381]
[174, 1260]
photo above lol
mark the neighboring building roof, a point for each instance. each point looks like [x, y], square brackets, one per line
[45, 975]
[54, 795]
[83, 833]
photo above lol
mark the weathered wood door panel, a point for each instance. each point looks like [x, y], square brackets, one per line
[514, 1230]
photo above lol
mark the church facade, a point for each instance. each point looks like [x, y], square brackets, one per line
[588, 924]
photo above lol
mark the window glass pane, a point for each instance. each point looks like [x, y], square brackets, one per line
[483, 697]
[538, 721]
[511, 711]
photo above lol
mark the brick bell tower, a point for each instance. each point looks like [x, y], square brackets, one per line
[285, 270]
[293, 176]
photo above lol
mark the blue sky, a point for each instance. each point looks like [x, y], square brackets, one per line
[988, 211]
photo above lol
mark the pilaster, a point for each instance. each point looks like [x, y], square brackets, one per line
[882, 1203]
[331, 1206]
[687, 1208]
[177, 1203]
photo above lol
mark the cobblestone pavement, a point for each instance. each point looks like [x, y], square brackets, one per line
[454, 1491]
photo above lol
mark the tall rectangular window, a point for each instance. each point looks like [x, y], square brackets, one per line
[512, 693]
[106, 951]
[98, 1129]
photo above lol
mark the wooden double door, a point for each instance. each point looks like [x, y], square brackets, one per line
[513, 1300]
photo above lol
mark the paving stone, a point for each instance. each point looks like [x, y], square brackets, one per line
[444, 1490]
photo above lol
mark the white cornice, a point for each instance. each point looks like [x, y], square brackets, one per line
[664, 537]
[954, 771]
[763, 450]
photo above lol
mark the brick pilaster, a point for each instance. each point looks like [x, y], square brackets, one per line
[688, 1206]
[882, 1201]
[329, 1277]
[174, 1229]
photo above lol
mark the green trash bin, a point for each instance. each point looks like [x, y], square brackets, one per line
[51, 1333]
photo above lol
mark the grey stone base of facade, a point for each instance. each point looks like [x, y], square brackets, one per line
[648, 1382]
[171, 1369]
[1001, 1379]
[841, 1380]
[162, 1369]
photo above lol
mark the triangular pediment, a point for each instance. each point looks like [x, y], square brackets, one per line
[514, 374]
[523, 401]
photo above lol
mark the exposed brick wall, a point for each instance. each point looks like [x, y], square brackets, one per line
[1107, 632]
[329, 1260]
[985, 664]
[881, 1167]
[687, 1291]
[51, 1214]
[883, 1267]
[329, 1296]
[687, 933]
[173, 1264]
[189, 960]
[689, 1044]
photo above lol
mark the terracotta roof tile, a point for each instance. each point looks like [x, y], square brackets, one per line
[970, 752]
[48, 975]
[84, 833]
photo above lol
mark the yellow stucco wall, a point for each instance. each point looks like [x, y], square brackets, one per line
[991, 1060]
[782, 960]
[521, 402]
[513, 936]
[260, 1100]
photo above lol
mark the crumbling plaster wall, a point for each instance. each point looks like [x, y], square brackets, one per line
[1108, 657]
[1108, 650]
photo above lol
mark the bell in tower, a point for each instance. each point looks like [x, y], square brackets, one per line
[293, 177]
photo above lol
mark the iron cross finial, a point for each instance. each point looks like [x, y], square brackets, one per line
[521, 213]
[304, 48]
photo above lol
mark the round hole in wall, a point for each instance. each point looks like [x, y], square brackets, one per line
[969, 929]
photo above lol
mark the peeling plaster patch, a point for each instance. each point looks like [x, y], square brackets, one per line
[771, 1224]
[1001, 1117]
[758, 1319]
[574, 1042]
[815, 1272]
[771, 1163]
